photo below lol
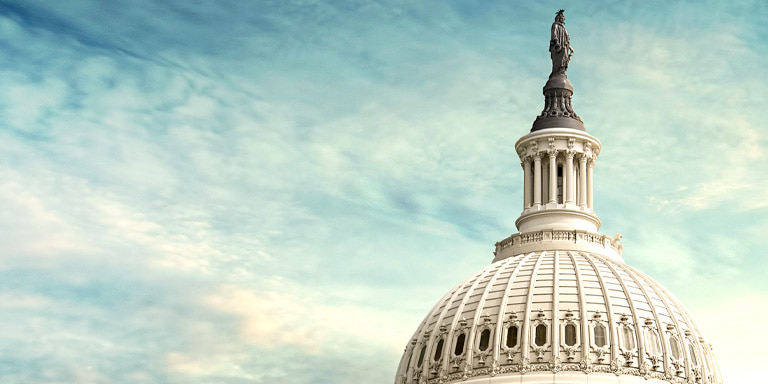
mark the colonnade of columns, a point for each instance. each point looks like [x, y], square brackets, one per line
[576, 179]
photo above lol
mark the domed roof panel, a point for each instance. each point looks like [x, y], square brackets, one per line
[553, 311]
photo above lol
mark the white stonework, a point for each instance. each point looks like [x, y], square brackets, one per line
[558, 304]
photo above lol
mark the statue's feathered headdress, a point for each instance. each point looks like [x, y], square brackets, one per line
[560, 12]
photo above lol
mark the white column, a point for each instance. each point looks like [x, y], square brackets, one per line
[576, 181]
[569, 177]
[553, 176]
[537, 179]
[590, 167]
[526, 182]
[544, 182]
[583, 180]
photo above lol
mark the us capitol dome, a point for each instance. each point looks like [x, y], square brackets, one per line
[558, 304]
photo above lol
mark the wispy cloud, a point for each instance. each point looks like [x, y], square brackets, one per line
[174, 174]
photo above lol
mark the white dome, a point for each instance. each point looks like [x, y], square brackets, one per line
[558, 316]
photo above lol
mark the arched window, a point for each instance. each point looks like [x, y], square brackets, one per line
[421, 356]
[459, 348]
[512, 336]
[599, 335]
[485, 338]
[674, 347]
[541, 335]
[653, 342]
[438, 350]
[694, 361]
[570, 335]
[628, 338]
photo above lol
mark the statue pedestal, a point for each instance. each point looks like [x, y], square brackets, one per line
[558, 82]
[558, 112]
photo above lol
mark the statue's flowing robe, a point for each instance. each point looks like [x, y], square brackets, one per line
[561, 56]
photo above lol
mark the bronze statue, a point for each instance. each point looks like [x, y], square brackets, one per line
[558, 111]
[560, 45]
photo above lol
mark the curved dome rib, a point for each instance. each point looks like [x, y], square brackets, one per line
[586, 350]
[657, 319]
[689, 320]
[609, 312]
[638, 336]
[526, 330]
[503, 306]
[478, 312]
[676, 322]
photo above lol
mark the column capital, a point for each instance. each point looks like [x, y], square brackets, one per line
[569, 153]
[533, 148]
[587, 147]
[552, 151]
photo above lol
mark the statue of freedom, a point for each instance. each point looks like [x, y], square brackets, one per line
[560, 45]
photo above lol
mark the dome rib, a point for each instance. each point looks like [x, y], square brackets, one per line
[418, 335]
[657, 318]
[609, 313]
[525, 342]
[503, 305]
[423, 329]
[464, 300]
[459, 311]
[478, 314]
[434, 335]
[585, 349]
[690, 322]
[555, 309]
[638, 335]
[665, 298]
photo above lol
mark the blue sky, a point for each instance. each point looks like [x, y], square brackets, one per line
[278, 191]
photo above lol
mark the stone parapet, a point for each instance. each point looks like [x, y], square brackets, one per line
[549, 239]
